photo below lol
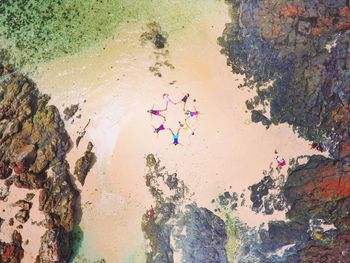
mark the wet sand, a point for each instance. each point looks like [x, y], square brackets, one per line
[226, 150]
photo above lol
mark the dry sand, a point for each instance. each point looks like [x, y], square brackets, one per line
[226, 150]
[31, 231]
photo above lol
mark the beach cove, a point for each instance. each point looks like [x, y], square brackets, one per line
[114, 79]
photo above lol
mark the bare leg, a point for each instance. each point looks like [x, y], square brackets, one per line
[150, 111]
[160, 115]
[196, 112]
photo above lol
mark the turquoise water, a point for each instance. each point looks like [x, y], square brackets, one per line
[41, 30]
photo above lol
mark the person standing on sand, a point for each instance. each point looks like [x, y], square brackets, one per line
[184, 100]
[156, 113]
[281, 162]
[317, 146]
[175, 136]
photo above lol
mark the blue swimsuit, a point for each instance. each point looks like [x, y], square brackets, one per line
[176, 139]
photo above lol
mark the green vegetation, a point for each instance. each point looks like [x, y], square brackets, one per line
[35, 31]
[77, 236]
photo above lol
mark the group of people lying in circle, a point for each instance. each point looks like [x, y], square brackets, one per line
[182, 126]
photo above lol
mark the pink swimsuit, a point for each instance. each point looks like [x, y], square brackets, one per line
[193, 113]
[155, 112]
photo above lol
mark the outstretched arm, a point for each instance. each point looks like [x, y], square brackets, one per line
[171, 131]
[186, 122]
[178, 131]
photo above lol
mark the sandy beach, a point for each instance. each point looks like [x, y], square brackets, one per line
[114, 79]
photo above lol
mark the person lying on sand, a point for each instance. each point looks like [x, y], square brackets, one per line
[156, 112]
[184, 100]
[192, 113]
[175, 136]
[186, 128]
[160, 128]
[167, 100]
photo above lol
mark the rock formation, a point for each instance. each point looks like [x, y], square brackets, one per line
[205, 236]
[12, 252]
[84, 164]
[70, 111]
[33, 145]
[296, 55]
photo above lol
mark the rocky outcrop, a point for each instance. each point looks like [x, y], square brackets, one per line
[301, 48]
[58, 198]
[70, 111]
[296, 55]
[319, 190]
[33, 145]
[22, 216]
[1, 222]
[55, 246]
[12, 252]
[84, 164]
[204, 237]
[316, 198]
[154, 35]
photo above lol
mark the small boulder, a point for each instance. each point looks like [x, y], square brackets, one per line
[84, 164]
[26, 155]
[29, 197]
[23, 204]
[70, 111]
[22, 216]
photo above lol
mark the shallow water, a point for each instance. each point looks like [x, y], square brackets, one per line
[40, 31]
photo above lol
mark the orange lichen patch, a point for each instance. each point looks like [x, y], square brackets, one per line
[19, 169]
[12, 252]
[335, 187]
[151, 214]
[342, 116]
[317, 31]
[324, 21]
[290, 10]
[8, 252]
[344, 25]
[276, 28]
[344, 22]
[345, 11]
[322, 24]
[344, 149]
[330, 183]
[339, 114]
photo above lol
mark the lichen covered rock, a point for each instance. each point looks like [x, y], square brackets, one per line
[296, 55]
[12, 252]
[84, 164]
[205, 236]
[33, 145]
